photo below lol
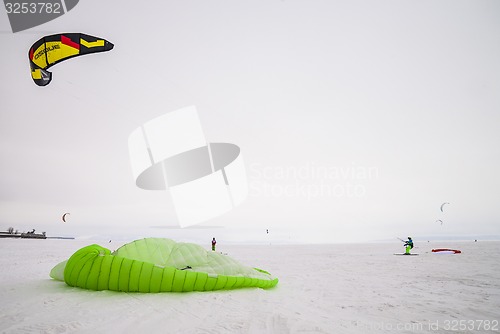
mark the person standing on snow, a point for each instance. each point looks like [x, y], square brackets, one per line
[409, 245]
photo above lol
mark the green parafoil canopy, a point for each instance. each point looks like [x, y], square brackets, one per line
[157, 265]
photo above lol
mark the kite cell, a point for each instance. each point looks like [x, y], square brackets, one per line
[50, 50]
[64, 216]
[157, 265]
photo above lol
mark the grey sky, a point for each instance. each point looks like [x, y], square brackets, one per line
[356, 119]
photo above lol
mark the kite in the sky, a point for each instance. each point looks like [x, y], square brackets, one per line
[442, 206]
[64, 216]
[50, 50]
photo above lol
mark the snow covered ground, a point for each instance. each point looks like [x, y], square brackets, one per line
[336, 288]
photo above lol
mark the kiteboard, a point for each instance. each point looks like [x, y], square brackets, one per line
[404, 254]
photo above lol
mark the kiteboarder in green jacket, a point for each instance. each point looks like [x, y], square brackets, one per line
[409, 245]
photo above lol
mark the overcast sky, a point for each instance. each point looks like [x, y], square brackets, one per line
[356, 119]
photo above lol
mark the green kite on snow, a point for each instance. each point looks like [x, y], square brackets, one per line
[157, 265]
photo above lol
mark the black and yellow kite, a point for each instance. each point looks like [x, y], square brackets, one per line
[50, 50]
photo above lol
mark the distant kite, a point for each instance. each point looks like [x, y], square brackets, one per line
[50, 50]
[442, 205]
[64, 216]
[439, 221]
